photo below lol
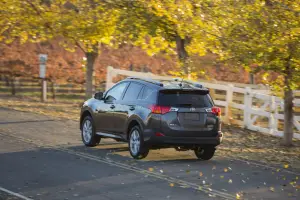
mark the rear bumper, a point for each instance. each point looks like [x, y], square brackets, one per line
[150, 138]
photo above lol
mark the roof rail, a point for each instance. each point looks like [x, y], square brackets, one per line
[195, 84]
[147, 80]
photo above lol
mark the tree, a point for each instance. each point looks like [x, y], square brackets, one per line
[13, 64]
[85, 24]
[13, 69]
[172, 27]
[88, 25]
[263, 36]
[21, 60]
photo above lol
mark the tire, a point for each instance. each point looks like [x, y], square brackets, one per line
[205, 153]
[89, 138]
[138, 150]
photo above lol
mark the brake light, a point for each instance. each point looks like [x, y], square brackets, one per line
[158, 134]
[216, 111]
[160, 109]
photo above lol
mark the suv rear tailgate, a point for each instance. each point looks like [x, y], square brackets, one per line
[191, 114]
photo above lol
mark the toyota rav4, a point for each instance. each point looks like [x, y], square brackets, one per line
[152, 115]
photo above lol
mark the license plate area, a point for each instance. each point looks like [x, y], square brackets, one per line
[191, 116]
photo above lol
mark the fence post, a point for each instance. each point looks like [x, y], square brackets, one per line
[273, 111]
[109, 77]
[229, 94]
[248, 106]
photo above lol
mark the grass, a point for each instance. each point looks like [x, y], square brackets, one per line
[62, 108]
[77, 97]
[238, 142]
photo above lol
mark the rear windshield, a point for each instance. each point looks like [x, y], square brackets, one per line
[185, 99]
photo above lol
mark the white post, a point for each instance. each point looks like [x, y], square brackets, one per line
[273, 111]
[109, 77]
[43, 59]
[44, 90]
[248, 106]
[229, 94]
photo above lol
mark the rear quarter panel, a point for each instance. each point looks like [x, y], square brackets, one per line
[144, 117]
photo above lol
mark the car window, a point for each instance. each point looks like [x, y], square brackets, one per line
[115, 93]
[148, 94]
[132, 92]
[185, 99]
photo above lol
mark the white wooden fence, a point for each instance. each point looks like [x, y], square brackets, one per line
[251, 103]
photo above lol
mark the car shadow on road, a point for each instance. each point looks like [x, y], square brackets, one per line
[109, 148]
[120, 152]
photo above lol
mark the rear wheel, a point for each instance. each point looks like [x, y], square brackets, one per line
[137, 147]
[88, 133]
[205, 153]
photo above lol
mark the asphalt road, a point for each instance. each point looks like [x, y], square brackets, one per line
[43, 158]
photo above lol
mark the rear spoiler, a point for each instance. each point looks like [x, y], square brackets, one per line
[202, 91]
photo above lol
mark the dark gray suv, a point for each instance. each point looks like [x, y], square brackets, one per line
[152, 115]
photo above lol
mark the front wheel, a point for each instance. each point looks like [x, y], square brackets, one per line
[137, 147]
[205, 153]
[88, 133]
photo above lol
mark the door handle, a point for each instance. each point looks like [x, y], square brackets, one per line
[112, 106]
[131, 108]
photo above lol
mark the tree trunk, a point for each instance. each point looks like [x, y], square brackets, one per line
[13, 86]
[288, 118]
[251, 78]
[182, 54]
[288, 107]
[91, 57]
[53, 91]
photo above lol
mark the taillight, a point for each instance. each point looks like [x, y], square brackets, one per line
[158, 134]
[160, 109]
[216, 111]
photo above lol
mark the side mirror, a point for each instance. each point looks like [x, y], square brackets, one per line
[98, 95]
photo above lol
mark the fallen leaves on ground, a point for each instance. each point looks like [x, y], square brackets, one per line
[256, 146]
[150, 169]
